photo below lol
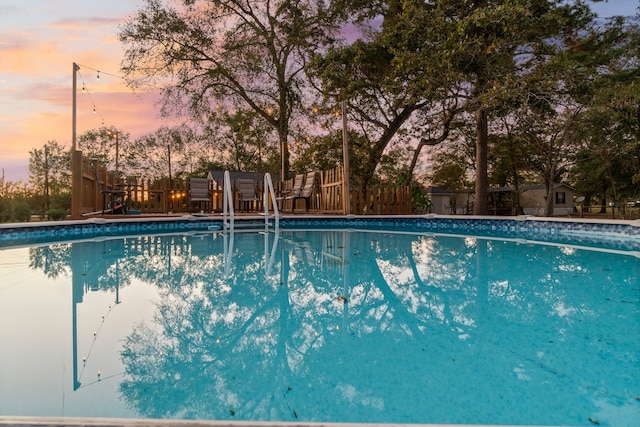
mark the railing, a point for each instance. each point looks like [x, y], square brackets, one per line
[270, 192]
[162, 196]
[227, 204]
[378, 200]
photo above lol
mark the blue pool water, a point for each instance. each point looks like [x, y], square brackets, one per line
[330, 326]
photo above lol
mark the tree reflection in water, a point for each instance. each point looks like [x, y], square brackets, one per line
[364, 326]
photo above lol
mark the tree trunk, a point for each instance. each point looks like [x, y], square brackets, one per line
[548, 206]
[284, 159]
[603, 199]
[548, 182]
[482, 178]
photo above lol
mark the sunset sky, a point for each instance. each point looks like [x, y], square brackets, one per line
[39, 42]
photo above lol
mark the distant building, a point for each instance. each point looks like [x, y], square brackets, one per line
[532, 200]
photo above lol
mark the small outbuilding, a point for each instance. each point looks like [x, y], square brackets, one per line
[531, 200]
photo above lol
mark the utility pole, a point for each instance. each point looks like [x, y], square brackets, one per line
[346, 199]
[76, 156]
[47, 165]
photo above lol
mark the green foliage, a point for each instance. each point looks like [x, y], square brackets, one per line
[559, 91]
[227, 54]
[452, 164]
[5, 209]
[49, 174]
[247, 141]
[326, 152]
[20, 211]
[420, 198]
[56, 214]
[419, 195]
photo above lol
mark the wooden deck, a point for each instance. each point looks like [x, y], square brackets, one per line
[95, 190]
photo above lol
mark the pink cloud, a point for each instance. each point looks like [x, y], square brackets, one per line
[84, 23]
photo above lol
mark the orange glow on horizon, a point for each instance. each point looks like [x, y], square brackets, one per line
[39, 43]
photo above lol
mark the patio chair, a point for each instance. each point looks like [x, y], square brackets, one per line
[247, 196]
[199, 192]
[115, 204]
[305, 193]
[290, 193]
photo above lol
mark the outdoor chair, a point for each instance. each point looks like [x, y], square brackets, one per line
[290, 193]
[199, 192]
[246, 189]
[115, 205]
[305, 193]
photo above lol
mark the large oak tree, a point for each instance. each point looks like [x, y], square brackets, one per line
[238, 54]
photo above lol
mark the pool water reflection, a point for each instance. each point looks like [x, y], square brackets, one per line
[333, 326]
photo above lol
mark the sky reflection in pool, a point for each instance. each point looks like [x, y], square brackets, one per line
[334, 326]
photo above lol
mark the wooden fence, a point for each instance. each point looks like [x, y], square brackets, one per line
[98, 189]
[379, 200]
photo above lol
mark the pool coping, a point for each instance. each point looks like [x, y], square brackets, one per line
[134, 422]
[253, 217]
[256, 216]
[606, 233]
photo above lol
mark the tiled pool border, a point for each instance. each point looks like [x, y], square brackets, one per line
[116, 422]
[609, 234]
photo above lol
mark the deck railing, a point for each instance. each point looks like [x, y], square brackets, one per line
[162, 196]
[378, 200]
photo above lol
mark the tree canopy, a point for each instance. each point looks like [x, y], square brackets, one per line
[512, 92]
[236, 54]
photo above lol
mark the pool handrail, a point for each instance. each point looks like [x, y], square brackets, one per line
[227, 204]
[270, 192]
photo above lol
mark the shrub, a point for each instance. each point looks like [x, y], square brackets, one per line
[55, 214]
[420, 198]
[20, 211]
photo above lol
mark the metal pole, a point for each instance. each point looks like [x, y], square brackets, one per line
[46, 179]
[73, 116]
[346, 199]
[117, 153]
[76, 157]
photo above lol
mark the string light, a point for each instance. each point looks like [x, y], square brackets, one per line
[95, 337]
[85, 88]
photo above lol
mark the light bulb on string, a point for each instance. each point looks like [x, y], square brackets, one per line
[98, 77]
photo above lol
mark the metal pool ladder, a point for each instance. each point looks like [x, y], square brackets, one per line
[270, 192]
[227, 203]
[269, 198]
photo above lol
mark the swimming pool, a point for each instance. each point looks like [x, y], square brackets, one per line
[414, 320]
